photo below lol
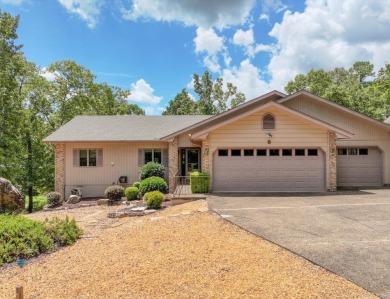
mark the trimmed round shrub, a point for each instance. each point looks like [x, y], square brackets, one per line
[152, 184]
[114, 192]
[53, 198]
[136, 184]
[154, 199]
[151, 169]
[131, 193]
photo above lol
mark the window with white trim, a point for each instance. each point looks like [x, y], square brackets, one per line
[87, 157]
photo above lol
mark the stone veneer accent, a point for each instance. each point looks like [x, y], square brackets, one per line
[332, 161]
[173, 155]
[59, 173]
[205, 156]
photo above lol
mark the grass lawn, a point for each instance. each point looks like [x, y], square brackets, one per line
[38, 202]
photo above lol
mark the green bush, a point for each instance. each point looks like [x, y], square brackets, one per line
[114, 193]
[21, 237]
[151, 169]
[154, 199]
[152, 184]
[199, 182]
[38, 202]
[53, 198]
[131, 193]
[136, 184]
[63, 231]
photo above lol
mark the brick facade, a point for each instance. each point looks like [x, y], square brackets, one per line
[205, 156]
[173, 153]
[59, 173]
[332, 162]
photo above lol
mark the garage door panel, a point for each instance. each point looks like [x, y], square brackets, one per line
[360, 170]
[269, 173]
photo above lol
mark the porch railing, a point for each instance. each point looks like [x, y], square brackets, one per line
[182, 186]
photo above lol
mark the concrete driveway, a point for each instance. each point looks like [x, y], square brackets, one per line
[346, 232]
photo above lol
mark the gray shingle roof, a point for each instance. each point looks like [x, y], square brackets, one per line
[122, 127]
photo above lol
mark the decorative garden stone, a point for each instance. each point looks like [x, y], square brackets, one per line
[11, 199]
[73, 199]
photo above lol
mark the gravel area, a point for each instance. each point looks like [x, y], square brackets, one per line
[181, 252]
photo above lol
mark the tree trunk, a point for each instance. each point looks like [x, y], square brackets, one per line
[29, 173]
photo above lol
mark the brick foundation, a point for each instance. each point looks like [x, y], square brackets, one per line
[173, 163]
[60, 168]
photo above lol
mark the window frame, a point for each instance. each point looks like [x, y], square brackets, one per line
[98, 161]
[235, 150]
[263, 120]
[248, 152]
[153, 150]
[223, 150]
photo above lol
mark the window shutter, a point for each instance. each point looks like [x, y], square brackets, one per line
[141, 157]
[164, 158]
[99, 157]
[76, 159]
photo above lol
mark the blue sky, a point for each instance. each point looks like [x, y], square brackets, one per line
[154, 47]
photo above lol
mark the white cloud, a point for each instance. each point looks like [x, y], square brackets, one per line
[264, 16]
[203, 13]
[49, 76]
[12, 2]
[212, 63]
[87, 10]
[142, 92]
[207, 40]
[209, 43]
[247, 78]
[243, 38]
[153, 110]
[273, 5]
[330, 34]
[246, 40]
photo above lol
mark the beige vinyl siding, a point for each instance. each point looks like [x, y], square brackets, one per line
[185, 141]
[366, 134]
[291, 132]
[94, 180]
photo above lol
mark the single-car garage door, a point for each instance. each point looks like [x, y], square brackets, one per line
[359, 167]
[268, 170]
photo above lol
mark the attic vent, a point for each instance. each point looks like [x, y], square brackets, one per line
[268, 122]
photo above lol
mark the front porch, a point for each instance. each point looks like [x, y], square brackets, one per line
[182, 189]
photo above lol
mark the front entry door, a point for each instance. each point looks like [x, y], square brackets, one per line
[190, 161]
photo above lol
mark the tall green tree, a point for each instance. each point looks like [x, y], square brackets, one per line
[213, 97]
[356, 88]
[11, 110]
[182, 104]
[203, 86]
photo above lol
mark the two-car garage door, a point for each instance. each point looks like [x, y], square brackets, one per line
[269, 170]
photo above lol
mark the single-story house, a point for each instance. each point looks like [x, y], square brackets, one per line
[276, 142]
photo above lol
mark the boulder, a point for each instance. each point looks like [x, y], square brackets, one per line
[102, 201]
[11, 199]
[73, 199]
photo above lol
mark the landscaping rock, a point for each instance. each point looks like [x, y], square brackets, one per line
[139, 209]
[73, 199]
[102, 202]
[10, 197]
